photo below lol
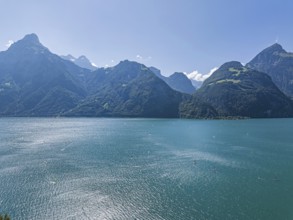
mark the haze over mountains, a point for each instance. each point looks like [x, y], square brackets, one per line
[36, 82]
[177, 81]
[81, 61]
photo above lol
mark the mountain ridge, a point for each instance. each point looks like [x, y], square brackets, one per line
[238, 91]
[278, 64]
[37, 82]
[177, 81]
[82, 61]
[34, 73]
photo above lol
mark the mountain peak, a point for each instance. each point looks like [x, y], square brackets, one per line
[273, 49]
[156, 71]
[278, 64]
[231, 64]
[235, 90]
[82, 61]
[83, 57]
[276, 46]
[68, 57]
[128, 63]
[33, 38]
[29, 44]
[179, 74]
[231, 71]
[267, 57]
[179, 82]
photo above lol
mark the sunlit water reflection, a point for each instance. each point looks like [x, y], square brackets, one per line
[146, 169]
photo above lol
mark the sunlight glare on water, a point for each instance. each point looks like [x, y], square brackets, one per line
[146, 169]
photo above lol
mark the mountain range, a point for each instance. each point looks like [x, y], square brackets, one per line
[81, 61]
[36, 82]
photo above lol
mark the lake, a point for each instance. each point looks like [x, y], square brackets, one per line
[96, 168]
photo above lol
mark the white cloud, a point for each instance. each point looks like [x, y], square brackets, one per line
[9, 43]
[110, 63]
[140, 58]
[93, 64]
[197, 76]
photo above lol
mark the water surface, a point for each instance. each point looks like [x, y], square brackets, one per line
[146, 169]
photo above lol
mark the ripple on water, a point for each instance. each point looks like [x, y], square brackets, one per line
[142, 169]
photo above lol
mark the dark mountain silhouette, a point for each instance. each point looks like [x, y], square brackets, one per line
[128, 89]
[34, 81]
[278, 64]
[238, 91]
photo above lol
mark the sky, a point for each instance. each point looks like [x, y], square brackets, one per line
[173, 35]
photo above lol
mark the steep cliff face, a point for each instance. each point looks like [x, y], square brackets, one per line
[278, 64]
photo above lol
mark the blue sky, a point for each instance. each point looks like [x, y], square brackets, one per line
[177, 35]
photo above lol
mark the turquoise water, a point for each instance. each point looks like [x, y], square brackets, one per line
[146, 169]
